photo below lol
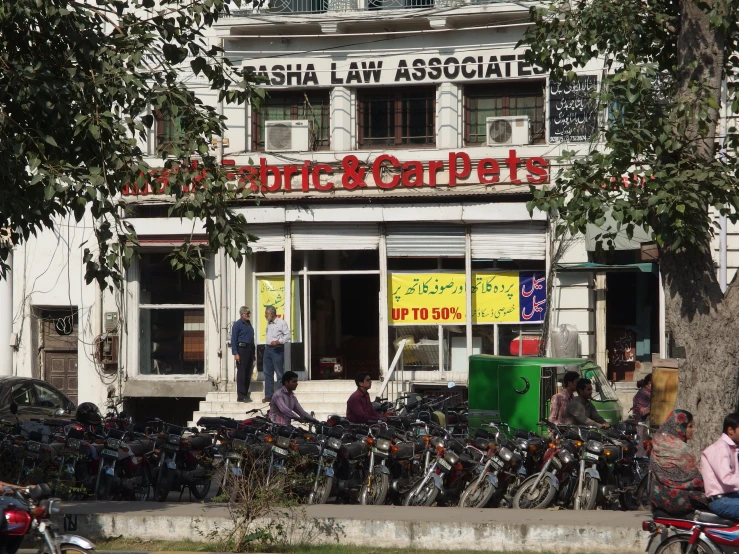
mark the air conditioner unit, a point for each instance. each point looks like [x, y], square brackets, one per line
[287, 136]
[513, 130]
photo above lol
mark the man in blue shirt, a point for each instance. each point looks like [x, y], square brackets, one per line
[242, 347]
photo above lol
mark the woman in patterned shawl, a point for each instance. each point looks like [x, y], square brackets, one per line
[677, 486]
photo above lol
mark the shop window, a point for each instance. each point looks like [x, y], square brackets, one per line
[422, 352]
[168, 129]
[171, 319]
[483, 339]
[336, 260]
[397, 117]
[509, 265]
[314, 106]
[503, 99]
[270, 262]
[519, 340]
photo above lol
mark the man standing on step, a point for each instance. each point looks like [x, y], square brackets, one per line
[278, 333]
[242, 348]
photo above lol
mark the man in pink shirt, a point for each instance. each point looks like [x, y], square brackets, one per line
[720, 470]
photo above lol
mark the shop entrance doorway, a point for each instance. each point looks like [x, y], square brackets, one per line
[344, 323]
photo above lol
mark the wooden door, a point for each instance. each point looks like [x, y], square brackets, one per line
[61, 372]
[59, 335]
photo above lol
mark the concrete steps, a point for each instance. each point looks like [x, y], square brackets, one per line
[324, 398]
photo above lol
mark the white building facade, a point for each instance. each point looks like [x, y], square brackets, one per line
[391, 162]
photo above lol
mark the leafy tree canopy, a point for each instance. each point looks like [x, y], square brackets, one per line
[663, 61]
[79, 82]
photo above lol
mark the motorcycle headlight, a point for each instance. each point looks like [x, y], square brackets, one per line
[174, 439]
[382, 444]
[282, 442]
[436, 442]
[34, 446]
[334, 444]
[113, 443]
[74, 444]
[506, 454]
[566, 457]
[451, 457]
[594, 446]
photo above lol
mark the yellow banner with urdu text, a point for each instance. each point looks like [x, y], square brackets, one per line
[271, 292]
[433, 298]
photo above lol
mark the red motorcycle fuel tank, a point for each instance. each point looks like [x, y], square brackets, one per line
[728, 536]
[17, 521]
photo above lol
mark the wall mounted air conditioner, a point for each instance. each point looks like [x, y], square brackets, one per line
[287, 136]
[508, 130]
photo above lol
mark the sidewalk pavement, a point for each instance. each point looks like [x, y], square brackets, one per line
[388, 526]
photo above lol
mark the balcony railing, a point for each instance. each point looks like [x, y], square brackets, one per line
[323, 6]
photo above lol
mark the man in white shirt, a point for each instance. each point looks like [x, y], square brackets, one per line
[278, 333]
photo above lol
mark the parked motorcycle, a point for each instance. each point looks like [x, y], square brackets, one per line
[28, 511]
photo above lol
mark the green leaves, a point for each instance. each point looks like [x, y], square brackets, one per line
[81, 107]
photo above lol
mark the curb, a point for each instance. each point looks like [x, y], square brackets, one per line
[35, 551]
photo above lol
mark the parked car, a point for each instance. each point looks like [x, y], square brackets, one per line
[35, 399]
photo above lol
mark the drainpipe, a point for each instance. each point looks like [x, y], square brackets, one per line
[6, 320]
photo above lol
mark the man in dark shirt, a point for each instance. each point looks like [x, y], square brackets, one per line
[359, 406]
[580, 410]
[242, 348]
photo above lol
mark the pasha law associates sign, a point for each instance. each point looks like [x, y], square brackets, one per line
[271, 292]
[497, 297]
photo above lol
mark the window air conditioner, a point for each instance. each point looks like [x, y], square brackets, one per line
[513, 130]
[287, 136]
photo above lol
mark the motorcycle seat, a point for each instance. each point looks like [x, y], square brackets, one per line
[137, 448]
[709, 517]
[662, 514]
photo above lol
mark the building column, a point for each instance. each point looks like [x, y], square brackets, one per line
[288, 312]
[343, 127]
[601, 351]
[449, 116]
[384, 330]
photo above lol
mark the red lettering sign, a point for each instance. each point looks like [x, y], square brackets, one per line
[386, 172]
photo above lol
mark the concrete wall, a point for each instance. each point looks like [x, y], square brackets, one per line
[49, 273]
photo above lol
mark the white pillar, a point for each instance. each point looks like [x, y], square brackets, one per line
[288, 312]
[384, 329]
[600, 321]
[6, 320]
[449, 116]
[343, 104]
[468, 289]
[662, 319]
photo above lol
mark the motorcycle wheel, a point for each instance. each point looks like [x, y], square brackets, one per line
[141, 491]
[425, 496]
[528, 498]
[477, 496]
[323, 493]
[589, 495]
[163, 485]
[374, 493]
[642, 495]
[104, 487]
[200, 491]
[678, 544]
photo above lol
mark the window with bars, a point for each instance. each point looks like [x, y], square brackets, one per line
[171, 319]
[397, 117]
[314, 106]
[503, 99]
[167, 129]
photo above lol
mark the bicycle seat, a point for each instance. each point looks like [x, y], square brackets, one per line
[713, 519]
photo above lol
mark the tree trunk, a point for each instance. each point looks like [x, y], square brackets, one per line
[702, 321]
